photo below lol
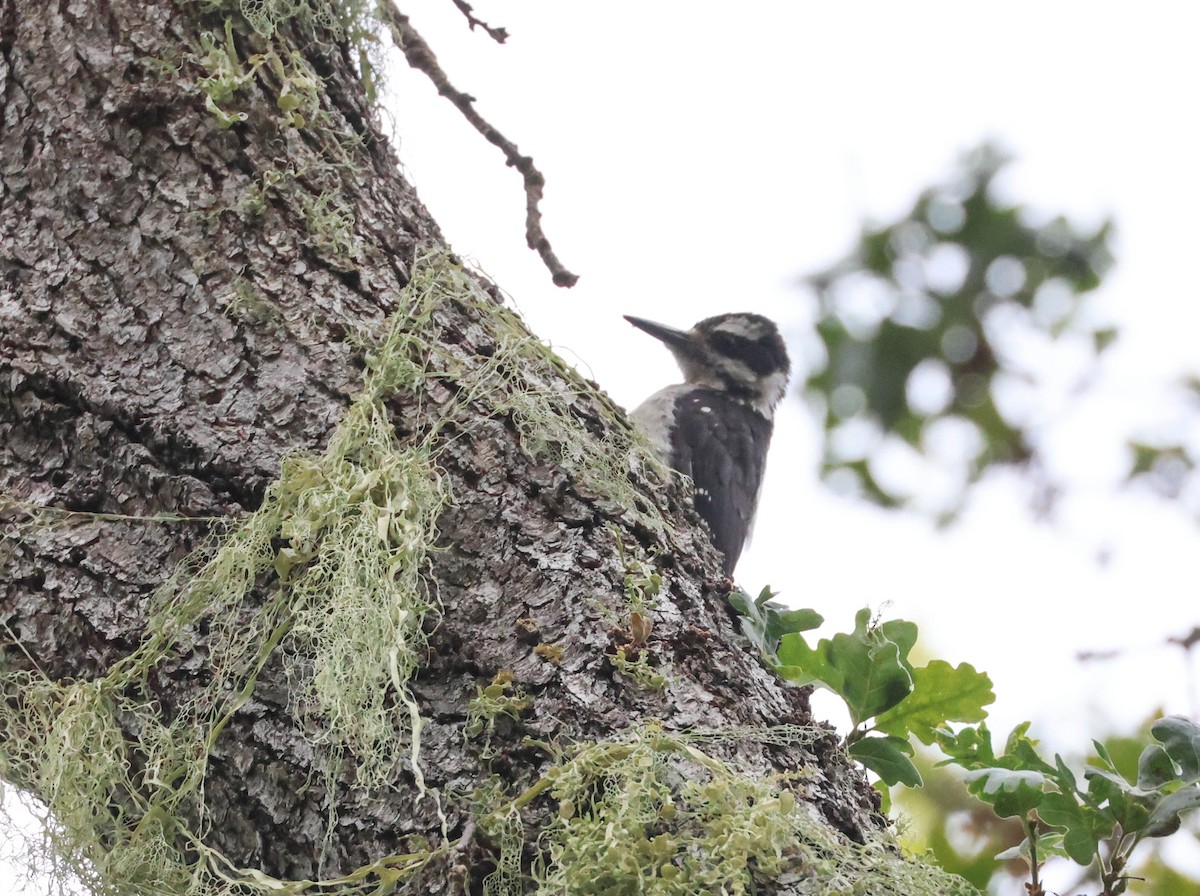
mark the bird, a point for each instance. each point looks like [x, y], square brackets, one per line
[716, 425]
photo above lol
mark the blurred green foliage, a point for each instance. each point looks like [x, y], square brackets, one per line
[918, 324]
[1168, 461]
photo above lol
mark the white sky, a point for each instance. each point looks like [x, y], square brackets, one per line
[699, 159]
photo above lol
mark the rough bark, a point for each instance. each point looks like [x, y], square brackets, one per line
[173, 324]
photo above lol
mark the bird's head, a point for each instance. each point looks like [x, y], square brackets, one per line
[740, 354]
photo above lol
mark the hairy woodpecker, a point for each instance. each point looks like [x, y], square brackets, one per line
[716, 425]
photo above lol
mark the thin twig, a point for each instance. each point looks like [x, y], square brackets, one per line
[420, 56]
[499, 35]
[1034, 887]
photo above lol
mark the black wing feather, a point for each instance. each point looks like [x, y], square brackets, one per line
[722, 445]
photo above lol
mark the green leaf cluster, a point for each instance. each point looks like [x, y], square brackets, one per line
[869, 668]
[765, 621]
[1098, 820]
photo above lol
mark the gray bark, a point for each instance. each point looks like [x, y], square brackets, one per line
[135, 380]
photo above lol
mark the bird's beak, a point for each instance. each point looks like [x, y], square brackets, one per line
[672, 338]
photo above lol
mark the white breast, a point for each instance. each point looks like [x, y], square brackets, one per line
[653, 417]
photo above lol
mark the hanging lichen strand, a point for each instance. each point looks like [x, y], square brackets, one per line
[339, 547]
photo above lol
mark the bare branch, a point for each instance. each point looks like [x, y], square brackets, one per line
[419, 55]
[499, 35]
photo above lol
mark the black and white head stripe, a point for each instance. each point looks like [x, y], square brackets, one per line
[741, 354]
[750, 338]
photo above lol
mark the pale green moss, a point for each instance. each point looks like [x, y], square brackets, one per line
[502, 698]
[652, 813]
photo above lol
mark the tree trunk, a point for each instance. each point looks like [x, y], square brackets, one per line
[422, 589]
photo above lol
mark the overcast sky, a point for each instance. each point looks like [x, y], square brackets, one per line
[701, 157]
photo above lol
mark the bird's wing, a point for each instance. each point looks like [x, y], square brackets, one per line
[722, 445]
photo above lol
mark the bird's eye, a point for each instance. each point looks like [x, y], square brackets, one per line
[737, 347]
[726, 343]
